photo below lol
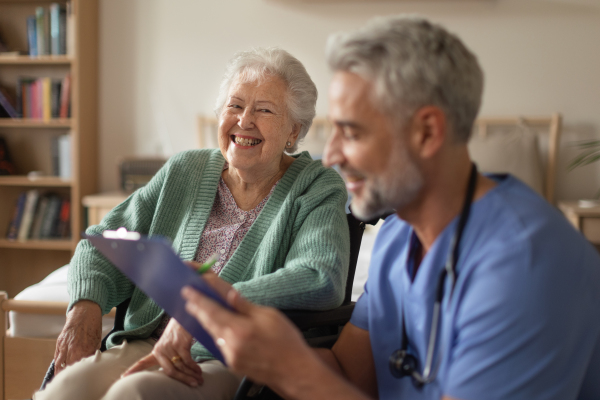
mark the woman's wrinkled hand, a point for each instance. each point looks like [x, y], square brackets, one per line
[256, 341]
[81, 335]
[173, 353]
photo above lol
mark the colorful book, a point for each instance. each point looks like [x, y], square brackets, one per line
[65, 97]
[27, 219]
[15, 221]
[63, 227]
[46, 103]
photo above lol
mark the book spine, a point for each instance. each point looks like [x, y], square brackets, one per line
[65, 96]
[50, 216]
[64, 156]
[54, 29]
[15, 222]
[62, 30]
[6, 104]
[27, 219]
[19, 90]
[55, 98]
[55, 156]
[36, 227]
[46, 98]
[32, 36]
[70, 34]
[63, 230]
[41, 31]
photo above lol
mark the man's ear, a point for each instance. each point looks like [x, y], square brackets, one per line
[428, 131]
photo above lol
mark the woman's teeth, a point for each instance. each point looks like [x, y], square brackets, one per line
[247, 142]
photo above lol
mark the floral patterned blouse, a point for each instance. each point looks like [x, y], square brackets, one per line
[224, 231]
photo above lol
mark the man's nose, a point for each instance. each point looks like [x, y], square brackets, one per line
[332, 154]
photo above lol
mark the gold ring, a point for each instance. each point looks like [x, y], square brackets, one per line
[220, 342]
[174, 359]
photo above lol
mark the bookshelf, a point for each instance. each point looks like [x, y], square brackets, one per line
[25, 262]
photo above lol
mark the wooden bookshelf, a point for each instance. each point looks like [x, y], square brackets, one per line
[38, 60]
[23, 263]
[35, 123]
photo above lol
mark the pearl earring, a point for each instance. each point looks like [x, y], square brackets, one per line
[288, 144]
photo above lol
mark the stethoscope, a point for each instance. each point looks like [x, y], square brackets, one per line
[403, 364]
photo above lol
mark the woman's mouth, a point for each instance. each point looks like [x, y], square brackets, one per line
[246, 142]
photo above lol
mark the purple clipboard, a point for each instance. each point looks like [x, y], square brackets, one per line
[154, 267]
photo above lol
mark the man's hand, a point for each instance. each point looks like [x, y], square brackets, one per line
[172, 353]
[262, 343]
[81, 335]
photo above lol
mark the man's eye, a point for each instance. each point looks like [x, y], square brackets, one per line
[349, 133]
[265, 110]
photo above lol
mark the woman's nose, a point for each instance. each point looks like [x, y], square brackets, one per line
[246, 119]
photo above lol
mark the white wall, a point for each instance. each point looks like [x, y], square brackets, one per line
[161, 62]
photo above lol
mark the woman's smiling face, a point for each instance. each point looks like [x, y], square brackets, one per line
[254, 125]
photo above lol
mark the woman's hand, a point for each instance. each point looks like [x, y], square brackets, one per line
[256, 341]
[172, 353]
[81, 335]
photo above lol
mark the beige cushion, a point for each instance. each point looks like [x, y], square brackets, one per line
[511, 149]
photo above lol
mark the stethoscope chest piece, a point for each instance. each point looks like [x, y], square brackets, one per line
[402, 364]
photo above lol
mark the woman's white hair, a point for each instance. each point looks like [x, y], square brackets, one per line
[413, 63]
[259, 63]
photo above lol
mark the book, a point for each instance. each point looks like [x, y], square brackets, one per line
[70, 39]
[65, 97]
[50, 217]
[55, 98]
[32, 35]
[40, 27]
[64, 219]
[64, 156]
[27, 218]
[15, 221]
[7, 167]
[8, 104]
[46, 98]
[36, 226]
[54, 10]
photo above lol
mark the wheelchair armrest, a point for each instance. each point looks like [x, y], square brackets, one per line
[305, 320]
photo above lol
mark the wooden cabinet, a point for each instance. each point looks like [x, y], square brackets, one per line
[23, 263]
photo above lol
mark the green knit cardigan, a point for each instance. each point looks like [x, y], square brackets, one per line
[295, 255]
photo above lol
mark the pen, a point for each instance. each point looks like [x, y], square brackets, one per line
[209, 263]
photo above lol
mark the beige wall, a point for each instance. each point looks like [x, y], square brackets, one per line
[161, 62]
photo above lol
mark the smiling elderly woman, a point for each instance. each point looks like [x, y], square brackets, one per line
[276, 222]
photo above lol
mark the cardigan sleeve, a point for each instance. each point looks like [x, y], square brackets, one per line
[91, 276]
[315, 266]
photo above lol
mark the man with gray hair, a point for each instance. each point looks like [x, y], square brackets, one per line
[477, 288]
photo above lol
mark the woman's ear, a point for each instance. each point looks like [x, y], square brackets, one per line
[294, 134]
[428, 131]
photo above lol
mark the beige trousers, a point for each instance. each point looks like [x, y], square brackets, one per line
[98, 378]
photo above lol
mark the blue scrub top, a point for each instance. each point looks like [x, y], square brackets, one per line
[523, 321]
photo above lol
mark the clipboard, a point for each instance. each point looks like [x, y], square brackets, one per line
[152, 265]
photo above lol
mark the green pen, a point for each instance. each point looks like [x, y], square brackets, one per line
[208, 264]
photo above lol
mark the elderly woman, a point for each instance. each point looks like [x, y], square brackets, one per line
[276, 223]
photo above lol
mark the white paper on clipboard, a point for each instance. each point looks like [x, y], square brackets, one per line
[152, 265]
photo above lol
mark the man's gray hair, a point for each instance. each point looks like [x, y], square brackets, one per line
[257, 64]
[413, 63]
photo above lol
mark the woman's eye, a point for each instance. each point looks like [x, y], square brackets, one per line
[265, 110]
[234, 106]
